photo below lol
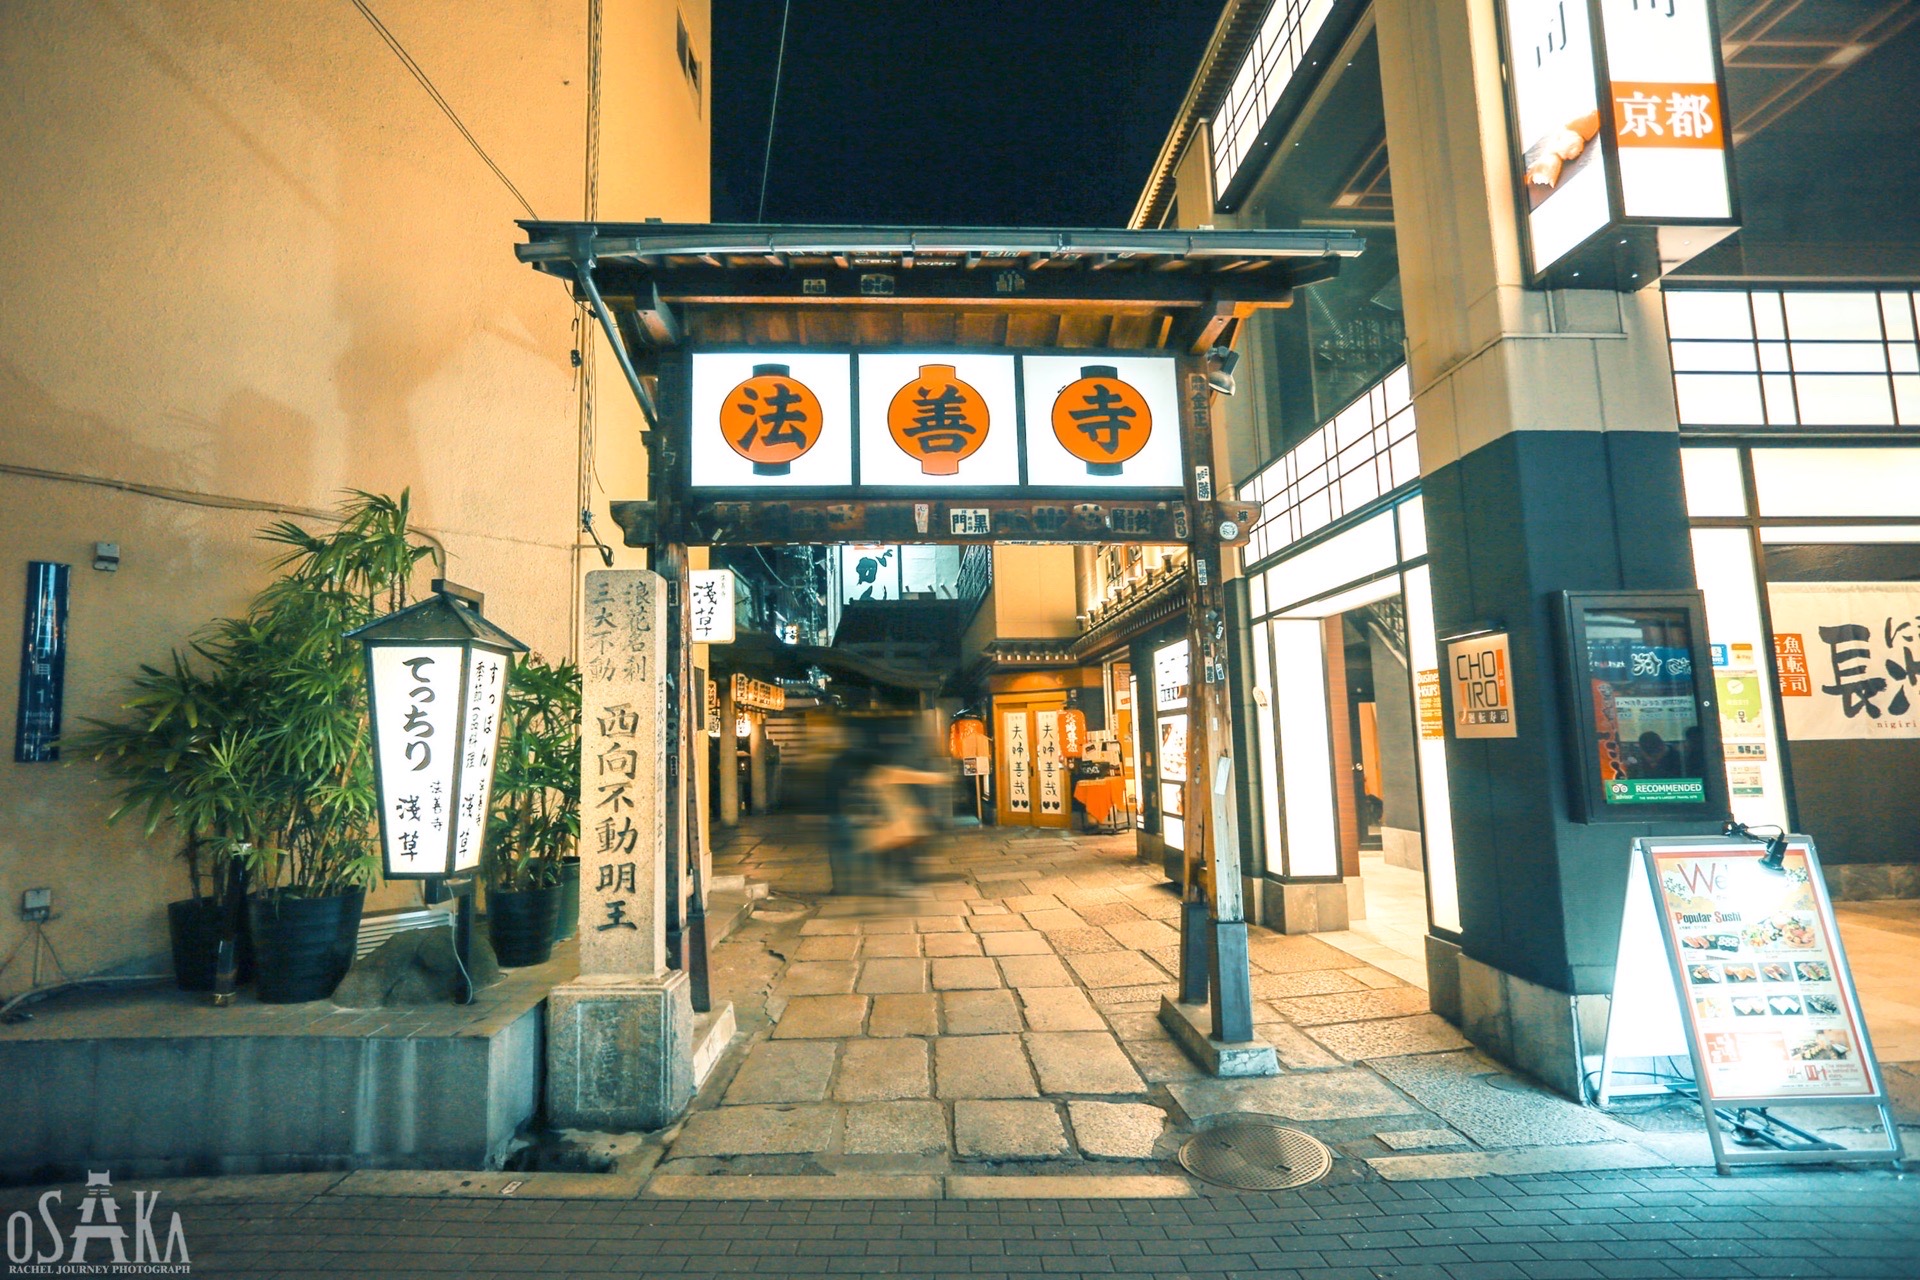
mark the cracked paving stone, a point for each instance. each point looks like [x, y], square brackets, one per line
[821, 1018]
[1276, 953]
[1008, 1131]
[988, 925]
[896, 1129]
[1162, 1061]
[1389, 1037]
[1060, 1009]
[1143, 935]
[817, 978]
[1073, 942]
[881, 1071]
[1321, 1095]
[905, 1015]
[982, 1067]
[1116, 1130]
[841, 947]
[1454, 1086]
[784, 1071]
[1057, 920]
[1116, 969]
[1416, 1139]
[1026, 942]
[757, 1131]
[1143, 997]
[1311, 982]
[1110, 913]
[1354, 1006]
[1296, 1051]
[975, 1013]
[892, 977]
[1082, 1062]
[965, 973]
[1035, 971]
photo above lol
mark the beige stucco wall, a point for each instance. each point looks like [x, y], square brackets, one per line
[247, 264]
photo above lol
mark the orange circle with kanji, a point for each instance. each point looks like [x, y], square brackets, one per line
[1102, 420]
[770, 419]
[938, 420]
[967, 739]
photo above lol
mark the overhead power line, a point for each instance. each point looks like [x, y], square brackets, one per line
[406, 60]
[773, 111]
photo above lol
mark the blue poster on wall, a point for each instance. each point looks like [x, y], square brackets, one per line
[43, 663]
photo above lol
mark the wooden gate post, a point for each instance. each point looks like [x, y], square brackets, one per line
[1213, 944]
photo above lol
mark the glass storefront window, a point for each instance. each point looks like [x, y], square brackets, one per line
[1436, 807]
[1723, 563]
[1306, 763]
[1713, 483]
[1837, 482]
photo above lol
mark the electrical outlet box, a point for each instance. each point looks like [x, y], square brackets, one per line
[36, 904]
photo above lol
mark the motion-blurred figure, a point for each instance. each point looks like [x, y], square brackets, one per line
[884, 808]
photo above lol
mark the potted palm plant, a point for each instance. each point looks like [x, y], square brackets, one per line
[534, 826]
[162, 758]
[274, 758]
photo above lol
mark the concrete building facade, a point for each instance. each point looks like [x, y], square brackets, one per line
[252, 264]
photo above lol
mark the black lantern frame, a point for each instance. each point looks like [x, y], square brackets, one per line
[447, 622]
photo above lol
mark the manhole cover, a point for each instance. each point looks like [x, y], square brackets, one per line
[1256, 1157]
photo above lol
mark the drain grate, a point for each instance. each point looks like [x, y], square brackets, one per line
[1256, 1157]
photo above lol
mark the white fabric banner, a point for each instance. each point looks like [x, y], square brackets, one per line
[1848, 658]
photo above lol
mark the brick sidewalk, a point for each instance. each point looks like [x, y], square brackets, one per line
[1671, 1223]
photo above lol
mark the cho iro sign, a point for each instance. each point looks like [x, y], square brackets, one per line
[1482, 687]
[959, 422]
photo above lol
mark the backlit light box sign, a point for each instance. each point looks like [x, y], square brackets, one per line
[952, 422]
[1619, 136]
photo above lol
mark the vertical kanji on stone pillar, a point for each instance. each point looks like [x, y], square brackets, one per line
[623, 751]
[620, 1036]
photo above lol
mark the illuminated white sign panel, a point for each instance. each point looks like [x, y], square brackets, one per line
[1668, 119]
[710, 597]
[772, 420]
[1556, 108]
[938, 421]
[1101, 421]
[956, 422]
[434, 752]
[1643, 146]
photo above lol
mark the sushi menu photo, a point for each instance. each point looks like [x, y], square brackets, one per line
[1770, 1014]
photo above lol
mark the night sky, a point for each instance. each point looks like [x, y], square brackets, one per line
[949, 112]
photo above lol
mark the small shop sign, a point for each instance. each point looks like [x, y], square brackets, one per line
[758, 694]
[1482, 673]
[710, 594]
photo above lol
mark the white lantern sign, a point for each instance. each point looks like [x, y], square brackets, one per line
[710, 605]
[436, 683]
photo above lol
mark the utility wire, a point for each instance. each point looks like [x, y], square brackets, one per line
[406, 60]
[773, 110]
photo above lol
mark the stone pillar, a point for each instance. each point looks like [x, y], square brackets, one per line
[1549, 455]
[757, 778]
[620, 1036]
[729, 758]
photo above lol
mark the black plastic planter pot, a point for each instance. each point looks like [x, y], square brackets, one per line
[569, 899]
[194, 928]
[302, 947]
[520, 924]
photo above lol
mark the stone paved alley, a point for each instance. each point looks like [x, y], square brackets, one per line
[1002, 1021]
